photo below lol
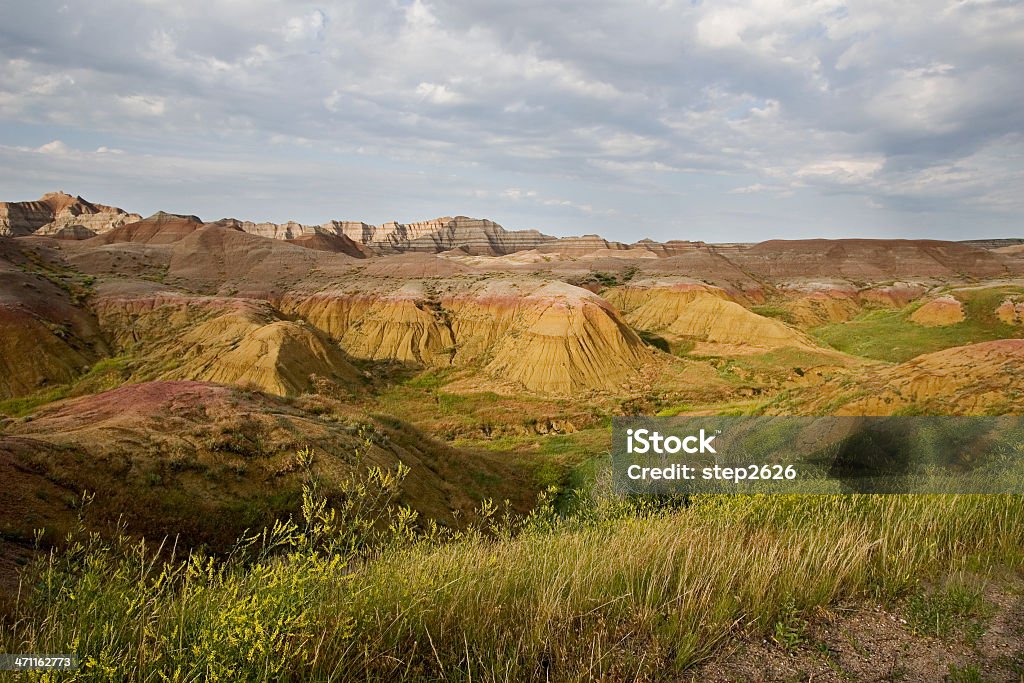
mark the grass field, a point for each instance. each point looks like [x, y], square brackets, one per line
[610, 592]
[889, 335]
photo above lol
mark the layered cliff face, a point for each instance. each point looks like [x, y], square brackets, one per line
[400, 325]
[474, 236]
[582, 246]
[704, 314]
[56, 211]
[871, 259]
[229, 341]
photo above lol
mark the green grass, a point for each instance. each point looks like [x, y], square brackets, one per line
[774, 311]
[959, 605]
[105, 374]
[614, 592]
[968, 673]
[889, 335]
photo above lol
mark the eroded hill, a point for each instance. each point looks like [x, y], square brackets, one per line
[173, 366]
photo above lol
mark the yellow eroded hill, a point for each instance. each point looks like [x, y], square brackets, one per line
[705, 314]
[281, 358]
[965, 380]
[231, 341]
[46, 337]
[563, 339]
[400, 328]
[33, 355]
[402, 325]
[548, 337]
[939, 312]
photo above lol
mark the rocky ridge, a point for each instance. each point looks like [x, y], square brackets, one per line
[56, 211]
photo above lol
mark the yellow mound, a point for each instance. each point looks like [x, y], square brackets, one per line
[818, 308]
[231, 341]
[402, 326]
[281, 358]
[564, 339]
[939, 313]
[1011, 312]
[545, 337]
[705, 314]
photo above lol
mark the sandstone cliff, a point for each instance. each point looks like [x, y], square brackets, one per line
[55, 211]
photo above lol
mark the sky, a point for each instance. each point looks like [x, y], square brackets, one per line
[716, 120]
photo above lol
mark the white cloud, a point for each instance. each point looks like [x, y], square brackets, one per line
[438, 94]
[841, 171]
[305, 28]
[54, 147]
[142, 105]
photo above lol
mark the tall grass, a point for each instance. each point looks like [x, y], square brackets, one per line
[613, 592]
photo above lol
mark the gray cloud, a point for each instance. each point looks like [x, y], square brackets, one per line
[669, 119]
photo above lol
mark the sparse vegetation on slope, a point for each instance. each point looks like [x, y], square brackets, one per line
[891, 335]
[612, 592]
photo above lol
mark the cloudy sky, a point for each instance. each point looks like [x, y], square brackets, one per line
[714, 120]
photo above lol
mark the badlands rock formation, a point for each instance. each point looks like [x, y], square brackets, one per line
[939, 312]
[224, 340]
[548, 337]
[896, 295]
[452, 292]
[401, 325]
[474, 236]
[555, 339]
[703, 313]
[160, 228]
[976, 379]
[582, 246]
[55, 211]
[812, 304]
[871, 259]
